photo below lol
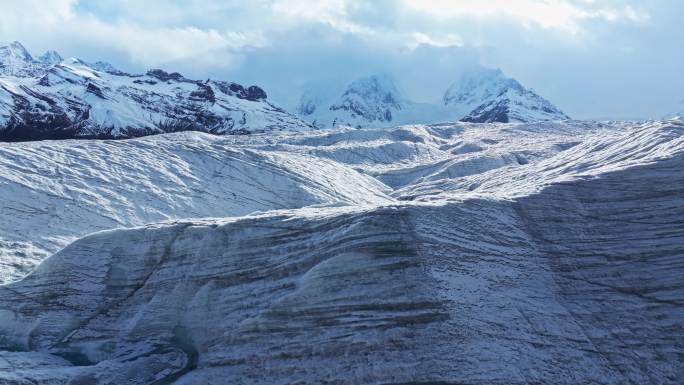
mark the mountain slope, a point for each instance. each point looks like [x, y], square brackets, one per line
[51, 99]
[560, 262]
[486, 96]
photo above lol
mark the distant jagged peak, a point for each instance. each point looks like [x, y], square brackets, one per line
[369, 101]
[486, 95]
[15, 50]
[98, 66]
[373, 98]
[319, 95]
[79, 99]
[477, 84]
[15, 60]
[104, 66]
[377, 88]
[51, 58]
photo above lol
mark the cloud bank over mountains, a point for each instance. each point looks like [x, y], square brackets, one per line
[596, 58]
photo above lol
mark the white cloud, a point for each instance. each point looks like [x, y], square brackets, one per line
[565, 48]
[157, 46]
[146, 45]
[23, 14]
[448, 40]
[557, 14]
[334, 13]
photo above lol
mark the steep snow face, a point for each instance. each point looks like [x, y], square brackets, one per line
[487, 95]
[55, 99]
[53, 192]
[563, 266]
[372, 101]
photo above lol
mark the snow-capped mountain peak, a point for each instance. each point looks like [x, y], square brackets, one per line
[15, 50]
[370, 101]
[15, 60]
[51, 58]
[476, 85]
[486, 95]
[372, 98]
[378, 89]
[480, 95]
[53, 98]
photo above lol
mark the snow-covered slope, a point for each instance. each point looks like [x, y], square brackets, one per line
[461, 253]
[487, 95]
[54, 192]
[54, 99]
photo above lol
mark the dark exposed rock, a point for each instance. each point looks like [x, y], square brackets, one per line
[203, 93]
[95, 90]
[492, 112]
[55, 102]
[165, 76]
[255, 93]
[252, 93]
[150, 82]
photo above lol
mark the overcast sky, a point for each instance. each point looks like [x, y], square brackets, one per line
[592, 58]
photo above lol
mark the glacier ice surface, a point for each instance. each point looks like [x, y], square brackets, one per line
[544, 253]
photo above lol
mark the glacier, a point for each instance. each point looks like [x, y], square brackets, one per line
[452, 253]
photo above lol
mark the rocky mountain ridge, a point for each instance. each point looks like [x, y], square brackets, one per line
[52, 98]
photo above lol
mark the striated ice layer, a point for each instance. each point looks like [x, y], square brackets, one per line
[560, 263]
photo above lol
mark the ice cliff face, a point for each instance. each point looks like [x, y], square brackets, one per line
[76, 187]
[51, 98]
[452, 253]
